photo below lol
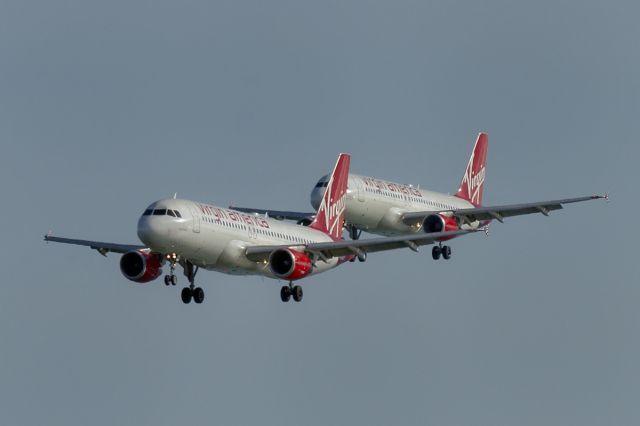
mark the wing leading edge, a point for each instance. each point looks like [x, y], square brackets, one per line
[102, 247]
[500, 212]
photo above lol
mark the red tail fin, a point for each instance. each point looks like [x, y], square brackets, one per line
[472, 183]
[330, 216]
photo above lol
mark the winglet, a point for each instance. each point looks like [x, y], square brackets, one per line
[330, 216]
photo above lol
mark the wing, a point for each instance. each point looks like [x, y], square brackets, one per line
[276, 214]
[344, 247]
[102, 247]
[500, 212]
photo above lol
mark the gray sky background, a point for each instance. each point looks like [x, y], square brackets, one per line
[108, 106]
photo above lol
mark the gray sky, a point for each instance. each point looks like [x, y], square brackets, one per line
[108, 106]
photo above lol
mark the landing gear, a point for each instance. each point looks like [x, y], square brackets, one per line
[354, 232]
[297, 293]
[436, 251]
[171, 279]
[291, 290]
[186, 295]
[285, 293]
[445, 251]
[191, 292]
[198, 295]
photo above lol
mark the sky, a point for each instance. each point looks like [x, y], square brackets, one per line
[106, 107]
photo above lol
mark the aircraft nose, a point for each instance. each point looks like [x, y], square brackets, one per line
[316, 197]
[151, 231]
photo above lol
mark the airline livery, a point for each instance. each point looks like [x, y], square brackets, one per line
[389, 208]
[198, 235]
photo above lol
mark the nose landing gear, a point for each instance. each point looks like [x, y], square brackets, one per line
[354, 232]
[171, 279]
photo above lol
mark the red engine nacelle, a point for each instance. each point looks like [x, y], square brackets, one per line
[440, 223]
[140, 266]
[290, 264]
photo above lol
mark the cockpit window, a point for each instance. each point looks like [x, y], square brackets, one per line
[322, 184]
[171, 213]
[177, 213]
[160, 212]
[147, 212]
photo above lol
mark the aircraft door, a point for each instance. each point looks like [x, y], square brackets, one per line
[360, 190]
[252, 232]
[195, 219]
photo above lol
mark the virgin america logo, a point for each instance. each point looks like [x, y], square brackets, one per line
[332, 211]
[473, 182]
[330, 217]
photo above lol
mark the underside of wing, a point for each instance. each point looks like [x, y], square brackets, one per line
[341, 248]
[500, 212]
[102, 247]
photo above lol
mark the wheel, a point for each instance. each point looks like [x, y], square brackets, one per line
[198, 295]
[436, 251]
[186, 295]
[167, 279]
[362, 257]
[174, 280]
[285, 293]
[297, 293]
[446, 252]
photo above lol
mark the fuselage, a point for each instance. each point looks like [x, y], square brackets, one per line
[376, 205]
[215, 238]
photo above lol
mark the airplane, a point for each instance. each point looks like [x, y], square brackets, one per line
[197, 235]
[389, 208]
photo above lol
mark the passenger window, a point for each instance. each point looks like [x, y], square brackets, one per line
[171, 213]
[160, 212]
[147, 212]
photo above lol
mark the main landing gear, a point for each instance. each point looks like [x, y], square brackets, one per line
[191, 292]
[438, 250]
[291, 290]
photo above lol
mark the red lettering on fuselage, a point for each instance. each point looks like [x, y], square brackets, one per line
[223, 214]
[391, 187]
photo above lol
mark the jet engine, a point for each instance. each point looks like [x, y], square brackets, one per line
[439, 223]
[140, 266]
[290, 264]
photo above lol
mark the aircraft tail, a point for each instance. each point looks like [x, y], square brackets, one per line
[330, 216]
[472, 184]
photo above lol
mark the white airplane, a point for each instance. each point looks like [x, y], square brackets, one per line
[198, 235]
[389, 208]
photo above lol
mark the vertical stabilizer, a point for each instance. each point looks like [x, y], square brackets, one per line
[330, 216]
[472, 184]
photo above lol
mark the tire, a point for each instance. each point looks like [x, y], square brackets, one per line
[297, 293]
[198, 295]
[285, 294]
[436, 252]
[186, 295]
[167, 280]
[362, 257]
[174, 280]
[446, 252]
